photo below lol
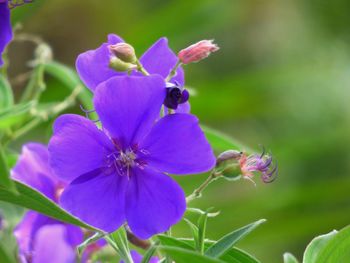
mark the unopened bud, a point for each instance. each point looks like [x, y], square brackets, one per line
[121, 66]
[228, 155]
[124, 52]
[197, 52]
[232, 172]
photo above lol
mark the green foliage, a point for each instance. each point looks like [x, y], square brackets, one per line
[312, 251]
[5, 180]
[289, 258]
[31, 199]
[184, 256]
[15, 115]
[221, 142]
[149, 253]
[70, 79]
[6, 95]
[229, 240]
[332, 247]
[119, 242]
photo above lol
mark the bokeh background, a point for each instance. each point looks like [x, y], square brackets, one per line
[281, 79]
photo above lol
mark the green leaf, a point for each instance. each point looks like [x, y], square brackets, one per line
[202, 227]
[289, 258]
[6, 95]
[15, 114]
[226, 242]
[4, 255]
[174, 242]
[234, 255]
[88, 241]
[221, 142]
[31, 199]
[70, 79]
[5, 180]
[180, 255]
[119, 241]
[201, 212]
[194, 230]
[336, 249]
[149, 253]
[316, 245]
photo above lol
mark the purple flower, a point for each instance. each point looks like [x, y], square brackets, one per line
[117, 173]
[5, 27]
[258, 163]
[137, 258]
[93, 65]
[40, 238]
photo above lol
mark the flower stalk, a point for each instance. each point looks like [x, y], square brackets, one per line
[141, 68]
[173, 71]
[197, 193]
[40, 116]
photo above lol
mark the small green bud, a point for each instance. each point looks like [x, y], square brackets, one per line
[232, 172]
[228, 155]
[124, 52]
[118, 65]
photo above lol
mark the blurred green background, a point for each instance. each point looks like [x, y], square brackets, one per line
[281, 79]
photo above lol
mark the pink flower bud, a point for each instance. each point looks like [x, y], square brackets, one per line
[124, 52]
[197, 52]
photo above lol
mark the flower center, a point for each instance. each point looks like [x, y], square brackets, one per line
[122, 161]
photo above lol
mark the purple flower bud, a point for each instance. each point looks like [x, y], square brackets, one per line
[175, 95]
[262, 164]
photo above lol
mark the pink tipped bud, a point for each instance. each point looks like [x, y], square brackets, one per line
[120, 66]
[197, 52]
[124, 52]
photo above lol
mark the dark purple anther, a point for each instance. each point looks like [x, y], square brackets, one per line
[175, 95]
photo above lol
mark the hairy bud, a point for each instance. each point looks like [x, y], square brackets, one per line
[124, 52]
[121, 66]
[228, 155]
[197, 52]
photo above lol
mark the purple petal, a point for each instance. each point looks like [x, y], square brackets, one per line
[98, 199]
[51, 246]
[26, 230]
[155, 202]
[5, 28]
[128, 106]
[177, 145]
[32, 169]
[184, 108]
[93, 65]
[77, 146]
[160, 59]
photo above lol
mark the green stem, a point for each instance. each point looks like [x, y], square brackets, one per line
[141, 68]
[41, 116]
[36, 84]
[173, 71]
[197, 193]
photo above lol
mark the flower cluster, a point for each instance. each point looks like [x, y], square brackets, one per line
[116, 171]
